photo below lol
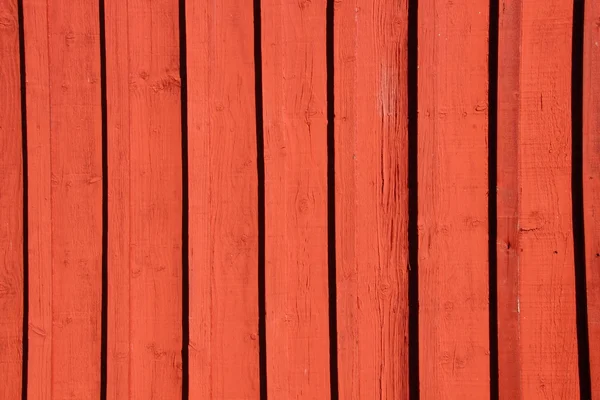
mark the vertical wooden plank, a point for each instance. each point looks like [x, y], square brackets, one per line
[75, 198]
[119, 200]
[535, 243]
[145, 150]
[295, 121]
[11, 205]
[37, 69]
[591, 180]
[371, 144]
[223, 201]
[453, 183]
[507, 192]
[223, 210]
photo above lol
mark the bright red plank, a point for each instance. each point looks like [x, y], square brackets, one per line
[119, 201]
[371, 198]
[11, 205]
[39, 380]
[591, 180]
[65, 150]
[453, 184]
[536, 289]
[295, 121]
[144, 98]
[223, 211]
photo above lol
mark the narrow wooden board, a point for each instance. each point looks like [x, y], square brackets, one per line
[147, 119]
[507, 192]
[11, 205]
[223, 203]
[295, 121]
[371, 143]
[591, 181]
[546, 299]
[75, 146]
[39, 201]
[453, 183]
[119, 200]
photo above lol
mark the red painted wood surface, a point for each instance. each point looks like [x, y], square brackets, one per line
[144, 148]
[295, 140]
[453, 222]
[223, 216]
[39, 179]
[11, 206]
[371, 156]
[66, 198]
[591, 180]
[508, 195]
[537, 294]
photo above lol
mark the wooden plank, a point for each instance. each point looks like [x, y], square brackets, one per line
[371, 144]
[39, 373]
[295, 121]
[546, 272]
[119, 201]
[534, 145]
[453, 183]
[223, 210]
[591, 181]
[11, 205]
[145, 109]
[507, 193]
[75, 198]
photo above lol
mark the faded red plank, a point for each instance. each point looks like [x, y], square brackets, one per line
[66, 198]
[39, 381]
[507, 192]
[119, 200]
[536, 285]
[591, 180]
[11, 205]
[145, 150]
[453, 183]
[295, 121]
[371, 198]
[223, 208]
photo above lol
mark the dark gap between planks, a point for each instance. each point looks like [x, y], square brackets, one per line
[24, 160]
[583, 346]
[260, 165]
[492, 196]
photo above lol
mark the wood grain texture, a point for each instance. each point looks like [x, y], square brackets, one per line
[223, 211]
[371, 144]
[76, 198]
[507, 192]
[295, 121]
[40, 330]
[591, 180]
[11, 205]
[453, 222]
[546, 293]
[145, 149]
[119, 200]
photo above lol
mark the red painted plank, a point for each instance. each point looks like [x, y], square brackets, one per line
[223, 208]
[145, 148]
[73, 141]
[453, 183]
[591, 181]
[295, 120]
[35, 15]
[11, 205]
[507, 192]
[535, 74]
[371, 198]
[119, 200]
